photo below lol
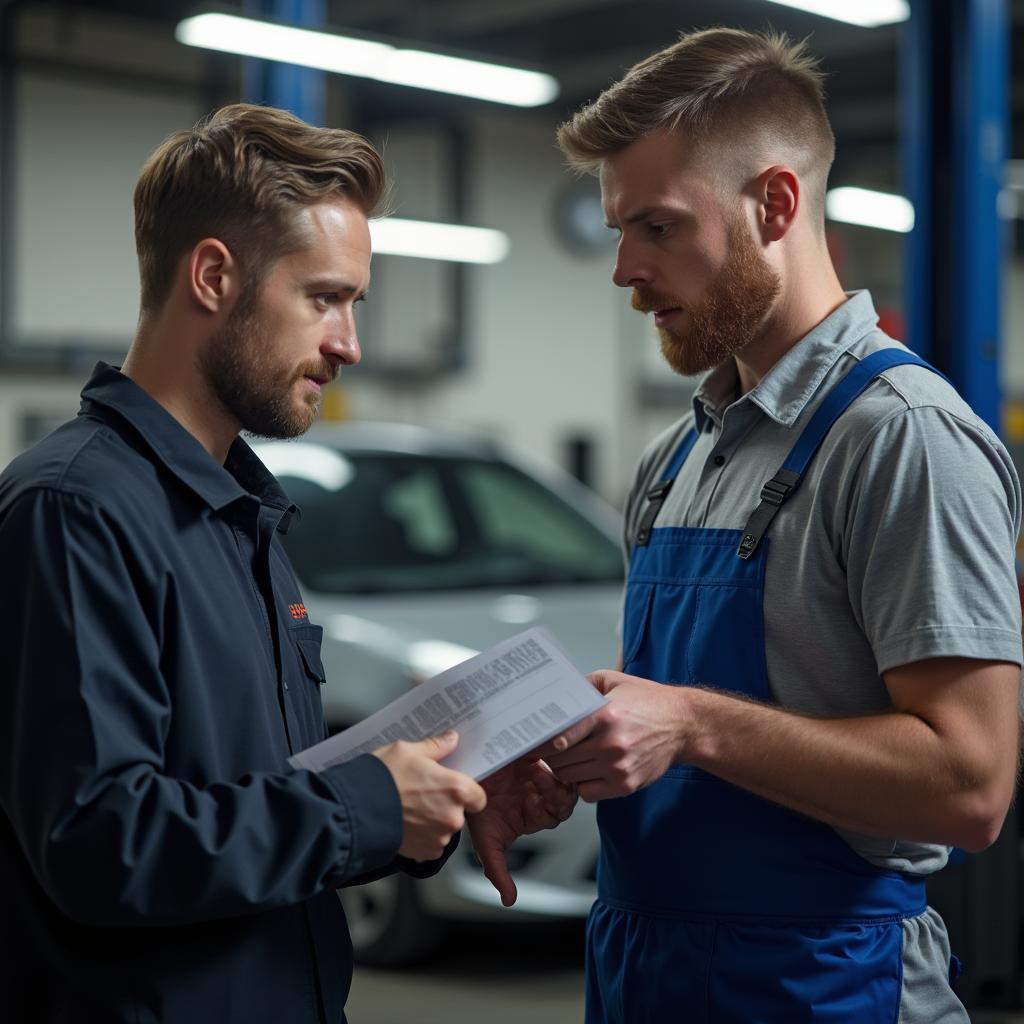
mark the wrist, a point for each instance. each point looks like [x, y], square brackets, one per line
[693, 734]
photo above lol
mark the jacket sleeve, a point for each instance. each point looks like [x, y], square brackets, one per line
[413, 868]
[84, 714]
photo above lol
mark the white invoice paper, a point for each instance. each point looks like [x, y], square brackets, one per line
[503, 702]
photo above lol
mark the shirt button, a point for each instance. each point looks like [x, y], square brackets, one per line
[719, 460]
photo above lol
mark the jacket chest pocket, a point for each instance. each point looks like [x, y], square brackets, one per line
[305, 685]
[308, 641]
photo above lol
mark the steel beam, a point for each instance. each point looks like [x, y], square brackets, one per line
[303, 91]
[955, 90]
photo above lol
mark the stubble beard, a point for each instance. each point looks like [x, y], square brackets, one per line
[250, 387]
[727, 318]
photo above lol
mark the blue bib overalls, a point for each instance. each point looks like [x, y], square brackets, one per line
[716, 906]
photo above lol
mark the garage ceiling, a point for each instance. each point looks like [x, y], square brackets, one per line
[587, 44]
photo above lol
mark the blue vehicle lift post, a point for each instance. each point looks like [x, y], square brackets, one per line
[301, 90]
[955, 70]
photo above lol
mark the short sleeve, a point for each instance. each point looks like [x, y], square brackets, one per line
[928, 541]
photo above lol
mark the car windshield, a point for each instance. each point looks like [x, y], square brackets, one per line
[392, 523]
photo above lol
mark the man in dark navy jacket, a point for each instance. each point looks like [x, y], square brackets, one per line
[158, 859]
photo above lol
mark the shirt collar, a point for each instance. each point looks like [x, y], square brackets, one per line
[789, 385]
[218, 486]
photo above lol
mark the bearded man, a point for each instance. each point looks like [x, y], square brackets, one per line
[821, 631]
[160, 862]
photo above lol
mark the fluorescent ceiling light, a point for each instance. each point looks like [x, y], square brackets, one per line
[867, 13]
[329, 51]
[430, 241]
[870, 209]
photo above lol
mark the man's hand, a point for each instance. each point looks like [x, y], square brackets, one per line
[626, 745]
[435, 799]
[522, 798]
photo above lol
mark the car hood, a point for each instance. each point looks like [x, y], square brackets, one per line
[432, 631]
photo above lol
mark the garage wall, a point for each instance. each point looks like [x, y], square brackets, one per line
[32, 407]
[549, 345]
[79, 151]
[550, 355]
[552, 352]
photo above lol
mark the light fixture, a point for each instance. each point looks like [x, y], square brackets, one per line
[866, 13]
[364, 58]
[397, 237]
[870, 209]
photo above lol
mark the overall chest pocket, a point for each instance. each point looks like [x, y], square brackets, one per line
[634, 620]
[658, 624]
[701, 632]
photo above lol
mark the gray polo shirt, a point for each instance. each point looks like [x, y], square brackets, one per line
[897, 546]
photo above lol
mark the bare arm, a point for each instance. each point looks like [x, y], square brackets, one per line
[939, 767]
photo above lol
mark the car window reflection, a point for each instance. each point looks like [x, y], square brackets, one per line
[405, 523]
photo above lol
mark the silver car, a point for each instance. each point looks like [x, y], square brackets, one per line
[415, 551]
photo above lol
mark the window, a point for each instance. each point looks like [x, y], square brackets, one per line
[406, 523]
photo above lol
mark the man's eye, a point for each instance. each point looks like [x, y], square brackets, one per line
[659, 230]
[326, 299]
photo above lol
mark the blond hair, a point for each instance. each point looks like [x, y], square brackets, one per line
[714, 86]
[240, 175]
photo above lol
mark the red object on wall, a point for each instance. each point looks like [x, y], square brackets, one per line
[891, 321]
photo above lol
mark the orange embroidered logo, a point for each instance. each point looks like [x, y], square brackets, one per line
[298, 611]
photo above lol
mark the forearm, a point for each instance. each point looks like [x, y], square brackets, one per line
[148, 849]
[892, 775]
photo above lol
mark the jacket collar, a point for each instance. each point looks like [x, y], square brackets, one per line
[242, 474]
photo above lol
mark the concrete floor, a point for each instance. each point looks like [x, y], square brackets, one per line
[519, 975]
[531, 974]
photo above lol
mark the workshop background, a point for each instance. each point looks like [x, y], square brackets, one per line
[526, 343]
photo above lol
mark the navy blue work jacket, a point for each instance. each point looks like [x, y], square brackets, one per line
[159, 861]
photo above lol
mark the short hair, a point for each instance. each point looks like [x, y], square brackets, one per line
[716, 84]
[241, 175]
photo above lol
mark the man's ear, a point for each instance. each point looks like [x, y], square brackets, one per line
[214, 277]
[779, 196]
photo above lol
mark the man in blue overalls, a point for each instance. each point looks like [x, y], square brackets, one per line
[821, 636]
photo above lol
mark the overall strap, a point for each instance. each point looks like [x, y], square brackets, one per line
[836, 402]
[659, 492]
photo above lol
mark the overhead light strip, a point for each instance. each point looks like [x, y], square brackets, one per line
[426, 240]
[870, 209]
[344, 55]
[866, 13]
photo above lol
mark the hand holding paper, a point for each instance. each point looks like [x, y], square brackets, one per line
[633, 741]
[503, 703]
[434, 799]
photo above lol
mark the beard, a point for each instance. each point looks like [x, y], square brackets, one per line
[726, 318]
[257, 391]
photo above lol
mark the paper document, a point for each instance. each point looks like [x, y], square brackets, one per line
[503, 702]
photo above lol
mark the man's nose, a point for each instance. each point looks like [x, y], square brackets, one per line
[629, 271]
[342, 346]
